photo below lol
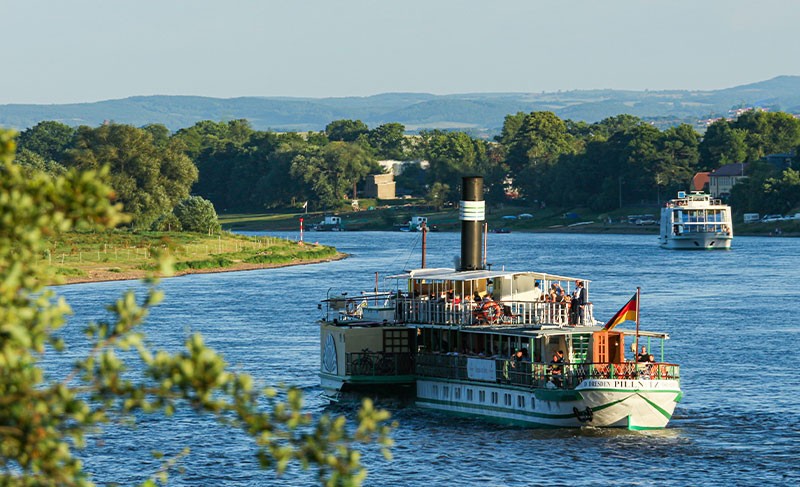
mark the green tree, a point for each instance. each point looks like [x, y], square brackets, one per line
[768, 133]
[535, 148]
[159, 132]
[451, 156]
[44, 420]
[49, 139]
[437, 195]
[208, 135]
[148, 180]
[330, 172]
[32, 161]
[722, 144]
[167, 223]
[677, 160]
[346, 130]
[511, 125]
[388, 140]
[197, 214]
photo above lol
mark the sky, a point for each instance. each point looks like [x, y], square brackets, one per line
[60, 51]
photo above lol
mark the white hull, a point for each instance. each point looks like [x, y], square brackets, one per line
[696, 222]
[628, 404]
[697, 241]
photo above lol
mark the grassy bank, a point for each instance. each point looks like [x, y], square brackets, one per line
[575, 220]
[115, 255]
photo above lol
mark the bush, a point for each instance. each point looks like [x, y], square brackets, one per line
[167, 223]
[197, 214]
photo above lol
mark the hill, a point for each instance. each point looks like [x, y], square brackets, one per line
[478, 113]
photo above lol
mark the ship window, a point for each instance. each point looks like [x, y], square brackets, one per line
[469, 394]
[521, 401]
[482, 396]
[445, 392]
[507, 399]
[458, 393]
[396, 341]
[495, 397]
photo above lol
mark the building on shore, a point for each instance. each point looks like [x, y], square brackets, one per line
[722, 179]
[381, 186]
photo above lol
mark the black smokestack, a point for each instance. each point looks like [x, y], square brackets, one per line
[472, 215]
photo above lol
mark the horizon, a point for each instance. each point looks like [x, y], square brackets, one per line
[88, 51]
[398, 93]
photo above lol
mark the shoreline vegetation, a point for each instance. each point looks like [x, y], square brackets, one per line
[500, 220]
[81, 257]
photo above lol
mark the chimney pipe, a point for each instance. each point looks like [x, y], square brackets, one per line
[472, 216]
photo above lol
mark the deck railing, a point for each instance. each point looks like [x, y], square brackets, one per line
[379, 363]
[517, 313]
[538, 375]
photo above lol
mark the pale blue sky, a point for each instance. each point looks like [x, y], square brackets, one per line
[87, 50]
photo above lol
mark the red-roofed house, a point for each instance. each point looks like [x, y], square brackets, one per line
[722, 179]
[699, 181]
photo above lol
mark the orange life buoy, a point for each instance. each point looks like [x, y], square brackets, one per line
[490, 311]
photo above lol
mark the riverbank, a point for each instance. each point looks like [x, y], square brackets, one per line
[502, 220]
[121, 255]
[101, 275]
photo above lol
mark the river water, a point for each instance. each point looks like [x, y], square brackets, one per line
[732, 317]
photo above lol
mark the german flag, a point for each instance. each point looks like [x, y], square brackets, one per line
[628, 312]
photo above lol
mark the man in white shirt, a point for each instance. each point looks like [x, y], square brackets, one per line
[537, 292]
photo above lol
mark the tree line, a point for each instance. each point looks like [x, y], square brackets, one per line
[537, 157]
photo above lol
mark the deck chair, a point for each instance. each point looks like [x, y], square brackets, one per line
[508, 315]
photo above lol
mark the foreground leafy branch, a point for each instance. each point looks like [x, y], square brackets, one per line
[42, 421]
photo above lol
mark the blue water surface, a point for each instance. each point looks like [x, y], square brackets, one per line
[732, 317]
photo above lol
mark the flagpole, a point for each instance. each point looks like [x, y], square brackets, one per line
[635, 356]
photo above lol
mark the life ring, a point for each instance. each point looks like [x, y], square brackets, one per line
[490, 311]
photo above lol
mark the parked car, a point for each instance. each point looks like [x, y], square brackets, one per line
[524, 216]
[510, 217]
[771, 218]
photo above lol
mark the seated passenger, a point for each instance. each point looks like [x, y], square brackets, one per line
[557, 370]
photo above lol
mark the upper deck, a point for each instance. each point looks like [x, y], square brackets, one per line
[471, 298]
[696, 200]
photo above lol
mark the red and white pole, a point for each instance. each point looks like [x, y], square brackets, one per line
[301, 229]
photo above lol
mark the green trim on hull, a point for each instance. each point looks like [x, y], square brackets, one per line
[656, 407]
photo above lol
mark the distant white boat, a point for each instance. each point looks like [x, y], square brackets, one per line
[696, 222]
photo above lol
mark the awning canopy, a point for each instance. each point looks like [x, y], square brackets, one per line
[445, 274]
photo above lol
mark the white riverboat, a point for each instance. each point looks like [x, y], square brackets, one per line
[696, 221]
[485, 343]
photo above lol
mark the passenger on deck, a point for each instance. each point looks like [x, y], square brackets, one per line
[643, 355]
[557, 370]
[576, 303]
[537, 291]
[556, 292]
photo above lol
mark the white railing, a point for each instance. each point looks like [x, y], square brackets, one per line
[518, 313]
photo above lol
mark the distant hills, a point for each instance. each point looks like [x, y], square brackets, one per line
[477, 113]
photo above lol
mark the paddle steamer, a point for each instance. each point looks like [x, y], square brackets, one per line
[486, 343]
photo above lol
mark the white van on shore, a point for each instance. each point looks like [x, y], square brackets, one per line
[751, 217]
